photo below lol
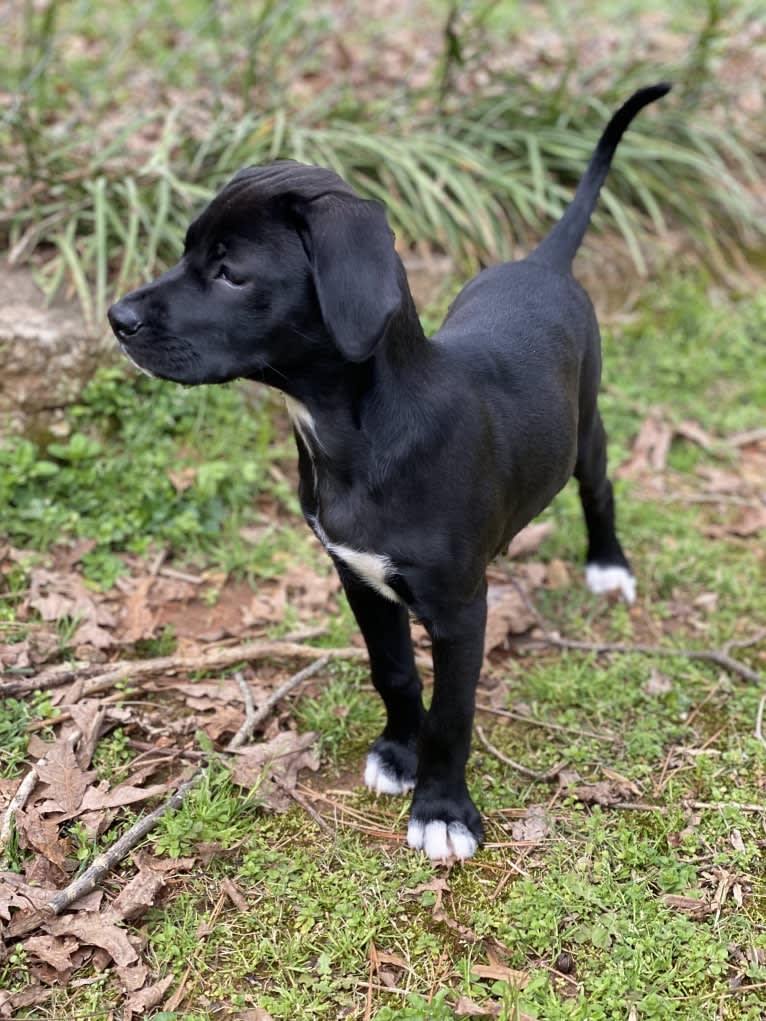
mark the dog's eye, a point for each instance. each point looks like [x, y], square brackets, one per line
[225, 274]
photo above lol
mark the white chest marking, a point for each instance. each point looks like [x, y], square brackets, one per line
[374, 568]
[304, 423]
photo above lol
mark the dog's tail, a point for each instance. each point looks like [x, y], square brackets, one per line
[558, 248]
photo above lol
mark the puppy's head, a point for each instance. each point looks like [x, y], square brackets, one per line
[286, 268]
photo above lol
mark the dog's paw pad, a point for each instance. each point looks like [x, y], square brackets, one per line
[601, 578]
[441, 840]
[382, 779]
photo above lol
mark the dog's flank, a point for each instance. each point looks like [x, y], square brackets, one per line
[419, 459]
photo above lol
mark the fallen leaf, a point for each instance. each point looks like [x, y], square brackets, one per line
[650, 448]
[558, 576]
[42, 835]
[688, 905]
[235, 895]
[657, 683]
[533, 825]
[507, 613]
[499, 973]
[529, 539]
[138, 621]
[283, 756]
[749, 521]
[139, 894]
[56, 595]
[54, 950]
[144, 999]
[98, 930]
[605, 793]
[30, 997]
[66, 781]
[466, 1007]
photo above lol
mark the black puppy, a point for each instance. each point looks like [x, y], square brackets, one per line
[419, 458]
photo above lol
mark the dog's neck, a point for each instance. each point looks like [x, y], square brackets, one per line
[339, 407]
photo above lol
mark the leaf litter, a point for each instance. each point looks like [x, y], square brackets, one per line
[69, 790]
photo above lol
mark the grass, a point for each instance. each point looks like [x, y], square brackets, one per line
[104, 170]
[596, 888]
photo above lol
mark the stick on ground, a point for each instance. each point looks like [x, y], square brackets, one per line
[105, 862]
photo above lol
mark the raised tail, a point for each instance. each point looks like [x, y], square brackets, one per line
[558, 248]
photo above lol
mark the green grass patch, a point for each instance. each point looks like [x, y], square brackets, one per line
[612, 889]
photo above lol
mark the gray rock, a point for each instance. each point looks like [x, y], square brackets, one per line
[47, 354]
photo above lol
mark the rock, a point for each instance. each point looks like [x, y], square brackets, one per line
[47, 354]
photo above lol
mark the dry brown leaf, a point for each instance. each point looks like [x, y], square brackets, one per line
[33, 996]
[499, 973]
[466, 1007]
[138, 621]
[55, 595]
[507, 613]
[88, 717]
[283, 756]
[605, 793]
[144, 999]
[688, 905]
[53, 950]
[255, 1014]
[66, 782]
[97, 799]
[749, 521]
[96, 930]
[557, 576]
[235, 895]
[533, 825]
[42, 835]
[657, 683]
[650, 449]
[529, 539]
[139, 894]
[18, 894]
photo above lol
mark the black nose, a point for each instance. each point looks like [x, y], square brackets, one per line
[124, 320]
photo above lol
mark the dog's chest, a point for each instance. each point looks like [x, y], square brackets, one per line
[376, 569]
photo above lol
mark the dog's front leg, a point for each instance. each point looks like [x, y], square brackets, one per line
[385, 625]
[444, 822]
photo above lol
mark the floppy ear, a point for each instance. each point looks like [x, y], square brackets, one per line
[355, 270]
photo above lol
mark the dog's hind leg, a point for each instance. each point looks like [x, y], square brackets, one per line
[392, 759]
[606, 566]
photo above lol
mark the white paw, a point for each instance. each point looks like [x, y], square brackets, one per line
[608, 579]
[441, 841]
[382, 780]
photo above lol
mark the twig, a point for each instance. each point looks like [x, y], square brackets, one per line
[304, 804]
[744, 643]
[216, 658]
[258, 717]
[507, 714]
[709, 655]
[105, 862]
[759, 721]
[545, 777]
[17, 802]
[247, 727]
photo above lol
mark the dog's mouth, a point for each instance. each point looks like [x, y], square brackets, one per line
[141, 368]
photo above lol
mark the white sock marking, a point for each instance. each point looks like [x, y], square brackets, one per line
[381, 780]
[440, 840]
[608, 579]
